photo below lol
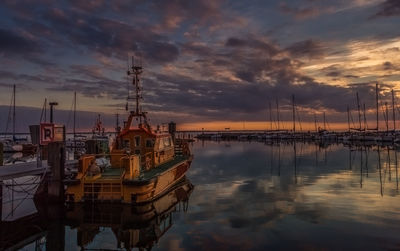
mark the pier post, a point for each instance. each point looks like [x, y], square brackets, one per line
[55, 239]
[1, 153]
[1, 200]
[56, 161]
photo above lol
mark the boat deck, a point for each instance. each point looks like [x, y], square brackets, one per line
[115, 173]
[163, 167]
[112, 173]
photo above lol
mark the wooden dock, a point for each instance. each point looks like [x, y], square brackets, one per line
[29, 168]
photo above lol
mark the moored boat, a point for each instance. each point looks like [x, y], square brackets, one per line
[143, 163]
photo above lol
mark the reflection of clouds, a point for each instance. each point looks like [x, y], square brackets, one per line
[251, 207]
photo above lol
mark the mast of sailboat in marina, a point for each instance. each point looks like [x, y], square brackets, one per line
[277, 113]
[315, 122]
[13, 133]
[74, 128]
[377, 106]
[393, 111]
[324, 122]
[270, 116]
[365, 118]
[359, 111]
[294, 115]
[387, 117]
[348, 118]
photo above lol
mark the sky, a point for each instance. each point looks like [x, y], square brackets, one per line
[207, 64]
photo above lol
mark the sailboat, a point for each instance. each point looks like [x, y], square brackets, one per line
[15, 144]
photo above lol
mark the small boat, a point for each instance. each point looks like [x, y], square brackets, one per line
[143, 163]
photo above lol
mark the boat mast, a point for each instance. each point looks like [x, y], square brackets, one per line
[393, 110]
[359, 111]
[377, 106]
[348, 117]
[74, 120]
[294, 115]
[136, 70]
[277, 113]
[270, 116]
[324, 122]
[386, 117]
[315, 122]
[365, 118]
[14, 112]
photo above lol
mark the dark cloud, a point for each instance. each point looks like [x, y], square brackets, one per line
[307, 48]
[387, 66]
[351, 76]
[252, 43]
[388, 8]
[333, 74]
[300, 13]
[13, 44]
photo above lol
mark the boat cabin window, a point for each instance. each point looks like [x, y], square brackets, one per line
[126, 143]
[167, 141]
[149, 142]
[137, 141]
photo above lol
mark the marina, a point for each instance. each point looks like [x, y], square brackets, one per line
[199, 125]
[317, 187]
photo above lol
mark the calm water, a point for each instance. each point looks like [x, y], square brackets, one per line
[252, 196]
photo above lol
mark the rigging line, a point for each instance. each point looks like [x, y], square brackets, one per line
[298, 118]
[24, 190]
[12, 210]
[352, 120]
[384, 116]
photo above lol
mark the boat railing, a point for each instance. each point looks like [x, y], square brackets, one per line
[182, 147]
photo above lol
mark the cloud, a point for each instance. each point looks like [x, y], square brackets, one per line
[252, 43]
[12, 44]
[300, 13]
[307, 48]
[387, 66]
[388, 8]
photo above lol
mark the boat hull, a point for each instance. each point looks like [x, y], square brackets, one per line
[129, 191]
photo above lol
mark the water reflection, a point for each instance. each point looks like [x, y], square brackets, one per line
[47, 227]
[249, 195]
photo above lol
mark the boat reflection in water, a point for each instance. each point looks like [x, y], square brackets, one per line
[139, 226]
[47, 227]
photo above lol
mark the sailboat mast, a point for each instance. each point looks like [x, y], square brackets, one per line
[365, 118]
[387, 119]
[324, 122]
[294, 115]
[277, 113]
[45, 110]
[14, 112]
[393, 111]
[348, 117]
[315, 122]
[74, 120]
[270, 116]
[359, 111]
[377, 106]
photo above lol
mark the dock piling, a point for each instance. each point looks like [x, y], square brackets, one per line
[1, 153]
[56, 161]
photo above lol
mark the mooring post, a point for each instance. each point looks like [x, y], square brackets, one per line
[1, 154]
[56, 161]
[1, 200]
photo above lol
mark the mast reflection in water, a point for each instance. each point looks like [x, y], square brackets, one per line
[247, 196]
